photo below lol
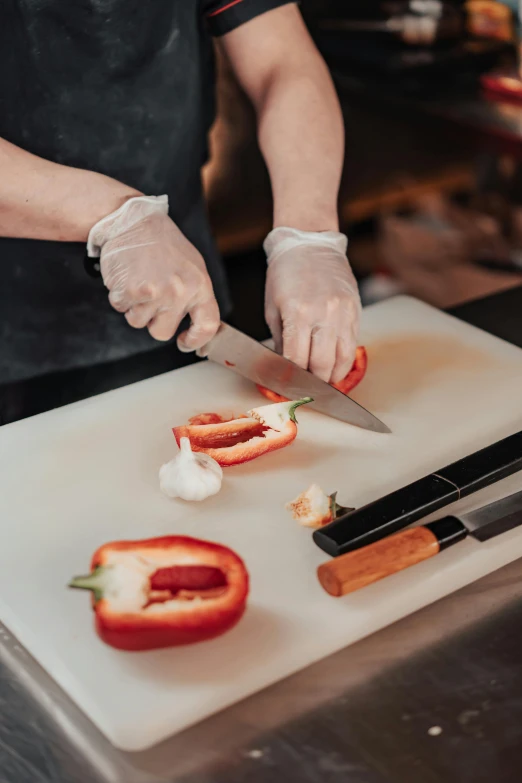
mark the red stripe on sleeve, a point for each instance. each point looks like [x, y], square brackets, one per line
[224, 8]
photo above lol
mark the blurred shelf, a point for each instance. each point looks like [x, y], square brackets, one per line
[251, 219]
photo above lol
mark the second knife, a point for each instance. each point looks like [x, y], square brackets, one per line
[350, 572]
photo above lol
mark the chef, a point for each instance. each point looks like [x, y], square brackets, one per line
[105, 106]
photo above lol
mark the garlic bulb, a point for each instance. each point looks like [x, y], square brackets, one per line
[190, 475]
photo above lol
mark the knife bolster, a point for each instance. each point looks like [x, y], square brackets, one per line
[447, 531]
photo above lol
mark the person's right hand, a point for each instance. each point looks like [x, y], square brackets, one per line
[154, 274]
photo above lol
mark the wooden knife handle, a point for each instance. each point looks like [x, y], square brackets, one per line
[350, 572]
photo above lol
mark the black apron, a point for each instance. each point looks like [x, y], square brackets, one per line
[124, 88]
[121, 87]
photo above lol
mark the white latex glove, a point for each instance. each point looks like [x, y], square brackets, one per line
[312, 304]
[154, 274]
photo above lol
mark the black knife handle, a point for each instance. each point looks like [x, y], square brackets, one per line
[487, 466]
[386, 515]
[92, 266]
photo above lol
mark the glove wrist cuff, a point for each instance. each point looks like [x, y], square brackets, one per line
[132, 211]
[284, 238]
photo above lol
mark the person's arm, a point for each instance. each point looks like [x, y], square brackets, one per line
[312, 302]
[154, 274]
[44, 200]
[301, 131]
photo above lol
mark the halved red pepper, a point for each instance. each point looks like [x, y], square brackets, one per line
[164, 592]
[353, 378]
[239, 440]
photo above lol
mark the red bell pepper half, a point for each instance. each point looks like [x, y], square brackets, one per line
[164, 592]
[353, 378]
[240, 440]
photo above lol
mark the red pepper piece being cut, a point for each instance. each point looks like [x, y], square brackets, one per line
[164, 592]
[232, 442]
[353, 378]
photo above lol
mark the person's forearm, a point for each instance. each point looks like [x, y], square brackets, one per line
[301, 130]
[301, 135]
[44, 200]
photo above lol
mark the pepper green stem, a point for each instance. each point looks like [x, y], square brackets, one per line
[96, 582]
[296, 404]
[277, 415]
[336, 509]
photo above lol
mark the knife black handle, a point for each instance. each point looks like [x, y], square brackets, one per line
[92, 266]
[386, 515]
[355, 570]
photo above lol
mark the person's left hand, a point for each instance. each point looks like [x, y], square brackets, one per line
[312, 304]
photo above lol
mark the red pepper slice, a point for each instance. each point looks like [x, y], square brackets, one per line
[207, 418]
[240, 440]
[164, 592]
[212, 418]
[353, 378]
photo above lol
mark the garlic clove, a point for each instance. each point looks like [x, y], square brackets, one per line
[190, 475]
[312, 508]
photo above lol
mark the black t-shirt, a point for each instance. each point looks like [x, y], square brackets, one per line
[121, 87]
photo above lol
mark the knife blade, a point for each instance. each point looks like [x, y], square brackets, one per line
[363, 567]
[250, 359]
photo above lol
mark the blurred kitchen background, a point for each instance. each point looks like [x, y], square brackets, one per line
[431, 196]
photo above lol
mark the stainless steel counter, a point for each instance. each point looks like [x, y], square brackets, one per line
[435, 698]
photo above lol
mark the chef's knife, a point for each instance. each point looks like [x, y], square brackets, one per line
[259, 364]
[362, 567]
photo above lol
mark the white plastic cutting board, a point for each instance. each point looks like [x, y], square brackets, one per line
[77, 477]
